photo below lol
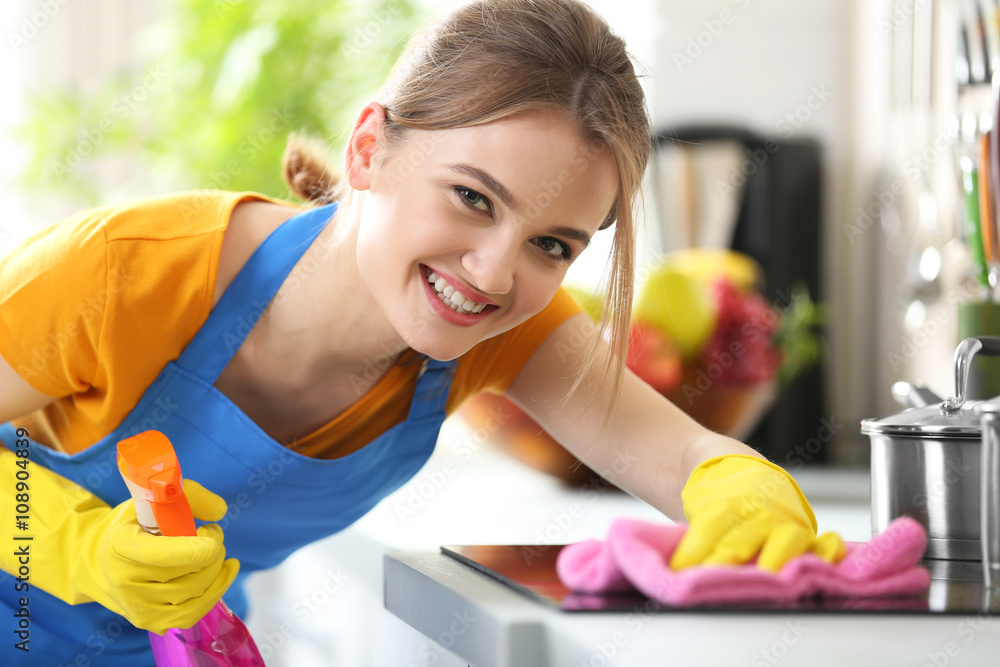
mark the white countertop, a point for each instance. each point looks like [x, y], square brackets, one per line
[324, 605]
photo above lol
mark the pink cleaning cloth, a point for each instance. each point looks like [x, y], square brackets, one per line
[636, 556]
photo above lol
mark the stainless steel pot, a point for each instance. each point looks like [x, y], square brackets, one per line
[926, 463]
[989, 416]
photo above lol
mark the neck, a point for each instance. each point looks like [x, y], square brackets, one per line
[329, 323]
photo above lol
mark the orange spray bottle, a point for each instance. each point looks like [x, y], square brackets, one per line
[149, 465]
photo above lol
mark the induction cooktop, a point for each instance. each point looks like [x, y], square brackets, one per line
[956, 587]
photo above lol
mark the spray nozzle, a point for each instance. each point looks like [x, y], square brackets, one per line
[152, 473]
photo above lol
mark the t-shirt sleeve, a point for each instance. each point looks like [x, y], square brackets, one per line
[53, 292]
[493, 364]
[99, 302]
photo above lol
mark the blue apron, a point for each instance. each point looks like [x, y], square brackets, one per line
[278, 500]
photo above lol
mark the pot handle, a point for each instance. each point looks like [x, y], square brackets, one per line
[989, 499]
[985, 345]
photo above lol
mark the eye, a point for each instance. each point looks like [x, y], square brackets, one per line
[554, 248]
[473, 199]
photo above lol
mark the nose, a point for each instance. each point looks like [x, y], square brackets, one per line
[491, 264]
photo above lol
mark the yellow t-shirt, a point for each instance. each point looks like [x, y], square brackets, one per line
[93, 307]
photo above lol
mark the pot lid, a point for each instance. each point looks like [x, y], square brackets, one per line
[929, 421]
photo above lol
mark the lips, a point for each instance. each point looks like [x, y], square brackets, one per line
[453, 300]
[452, 297]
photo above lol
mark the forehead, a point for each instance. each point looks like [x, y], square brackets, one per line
[540, 157]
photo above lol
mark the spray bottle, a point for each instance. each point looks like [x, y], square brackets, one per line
[152, 473]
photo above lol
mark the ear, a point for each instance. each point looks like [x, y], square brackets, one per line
[363, 145]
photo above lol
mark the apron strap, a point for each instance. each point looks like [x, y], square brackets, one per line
[243, 302]
[431, 394]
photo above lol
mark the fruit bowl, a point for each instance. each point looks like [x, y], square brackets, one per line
[732, 410]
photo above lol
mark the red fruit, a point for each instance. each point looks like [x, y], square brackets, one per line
[654, 358]
[741, 350]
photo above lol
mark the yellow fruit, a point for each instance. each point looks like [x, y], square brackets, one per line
[678, 305]
[707, 264]
[592, 304]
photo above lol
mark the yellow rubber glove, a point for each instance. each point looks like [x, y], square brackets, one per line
[83, 550]
[740, 506]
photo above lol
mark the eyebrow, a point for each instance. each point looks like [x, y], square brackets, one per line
[572, 233]
[493, 184]
[508, 199]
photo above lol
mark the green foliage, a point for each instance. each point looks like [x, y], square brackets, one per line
[224, 85]
[798, 336]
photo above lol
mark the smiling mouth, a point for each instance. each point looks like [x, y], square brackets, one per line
[452, 297]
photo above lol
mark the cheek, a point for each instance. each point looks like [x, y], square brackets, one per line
[538, 292]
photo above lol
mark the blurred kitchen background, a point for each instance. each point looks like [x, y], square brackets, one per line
[834, 123]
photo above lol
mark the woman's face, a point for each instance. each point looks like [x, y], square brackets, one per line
[466, 233]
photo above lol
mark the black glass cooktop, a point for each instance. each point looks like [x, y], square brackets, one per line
[956, 587]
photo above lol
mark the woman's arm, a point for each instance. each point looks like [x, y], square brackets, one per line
[17, 397]
[648, 446]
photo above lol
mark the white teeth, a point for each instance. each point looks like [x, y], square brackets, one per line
[453, 298]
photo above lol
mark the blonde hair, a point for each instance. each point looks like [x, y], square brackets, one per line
[492, 59]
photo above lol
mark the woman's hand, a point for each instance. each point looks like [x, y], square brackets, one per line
[156, 582]
[86, 551]
[742, 506]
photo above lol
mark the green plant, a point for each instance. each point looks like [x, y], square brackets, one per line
[224, 84]
[797, 336]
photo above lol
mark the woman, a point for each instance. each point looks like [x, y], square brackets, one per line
[245, 328]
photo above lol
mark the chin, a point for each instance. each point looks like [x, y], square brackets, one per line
[438, 351]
